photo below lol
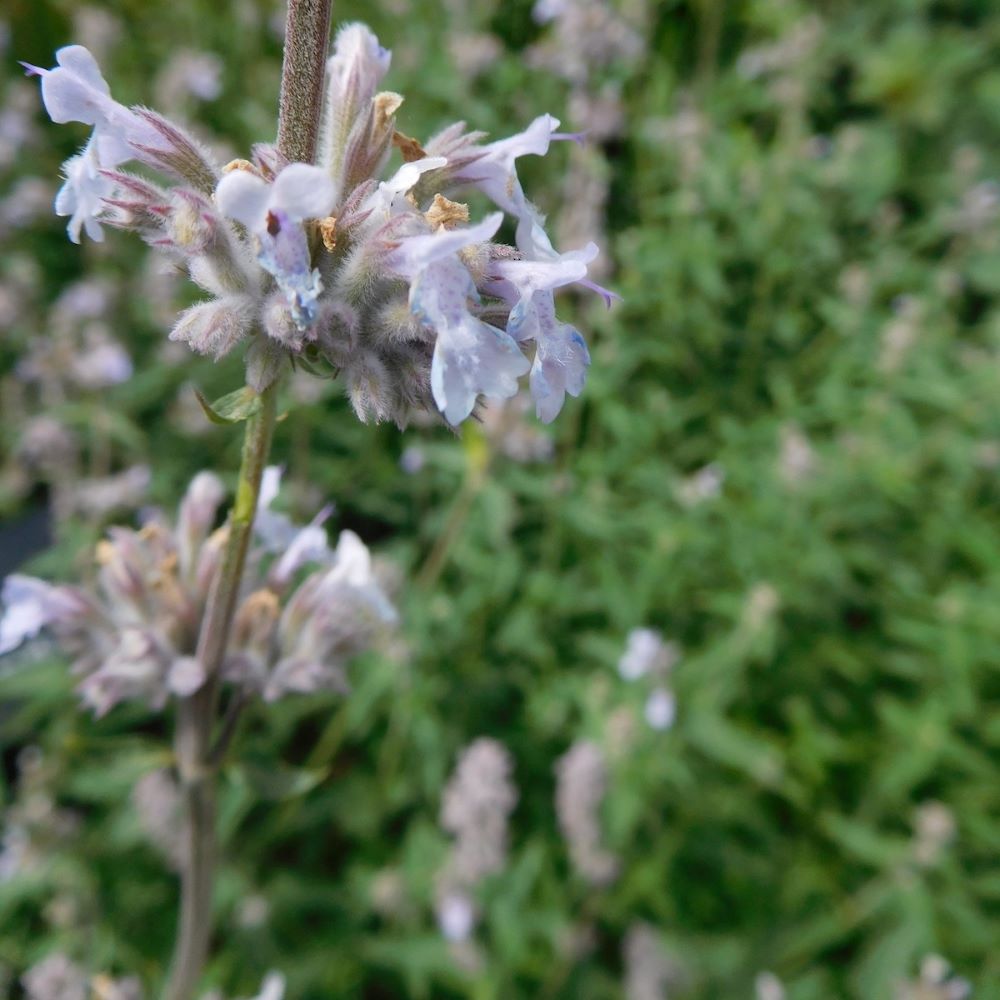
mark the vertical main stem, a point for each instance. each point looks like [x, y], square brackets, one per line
[307, 31]
[307, 34]
[196, 715]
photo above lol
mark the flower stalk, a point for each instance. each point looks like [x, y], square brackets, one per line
[306, 37]
[196, 763]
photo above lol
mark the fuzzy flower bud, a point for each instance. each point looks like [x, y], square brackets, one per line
[134, 636]
[354, 72]
[217, 326]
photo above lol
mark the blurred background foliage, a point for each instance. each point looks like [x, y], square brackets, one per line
[785, 461]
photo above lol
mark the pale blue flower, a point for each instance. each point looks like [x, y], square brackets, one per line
[494, 173]
[471, 358]
[75, 91]
[274, 214]
[561, 356]
[82, 195]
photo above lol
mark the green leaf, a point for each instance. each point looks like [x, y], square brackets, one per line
[276, 783]
[233, 408]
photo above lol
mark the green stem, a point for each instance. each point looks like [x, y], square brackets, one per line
[196, 716]
[307, 31]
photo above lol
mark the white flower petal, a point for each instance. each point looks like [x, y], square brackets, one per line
[244, 196]
[186, 675]
[79, 60]
[304, 192]
[388, 196]
[309, 545]
[68, 98]
[661, 709]
[417, 252]
[456, 917]
[26, 610]
[273, 987]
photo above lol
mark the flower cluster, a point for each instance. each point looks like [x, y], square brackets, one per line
[581, 781]
[133, 635]
[385, 281]
[58, 977]
[649, 971]
[33, 826]
[936, 982]
[477, 804]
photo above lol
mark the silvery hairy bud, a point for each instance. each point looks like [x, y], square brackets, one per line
[215, 327]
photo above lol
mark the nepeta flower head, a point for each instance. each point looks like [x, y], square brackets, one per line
[306, 609]
[387, 282]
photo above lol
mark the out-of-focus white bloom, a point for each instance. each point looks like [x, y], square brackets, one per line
[797, 460]
[510, 431]
[704, 485]
[29, 606]
[273, 987]
[189, 74]
[767, 986]
[456, 916]
[475, 808]
[253, 912]
[661, 708]
[56, 977]
[761, 606]
[649, 972]
[647, 653]
[97, 498]
[474, 53]
[159, 809]
[935, 982]
[104, 987]
[279, 534]
[934, 828]
[587, 36]
[412, 460]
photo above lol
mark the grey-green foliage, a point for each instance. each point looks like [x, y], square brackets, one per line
[807, 273]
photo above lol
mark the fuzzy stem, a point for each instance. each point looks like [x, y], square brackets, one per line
[307, 32]
[196, 716]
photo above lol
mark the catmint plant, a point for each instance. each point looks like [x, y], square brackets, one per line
[328, 267]
[313, 255]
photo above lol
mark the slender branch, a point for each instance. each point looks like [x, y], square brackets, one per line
[196, 715]
[227, 729]
[307, 32]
